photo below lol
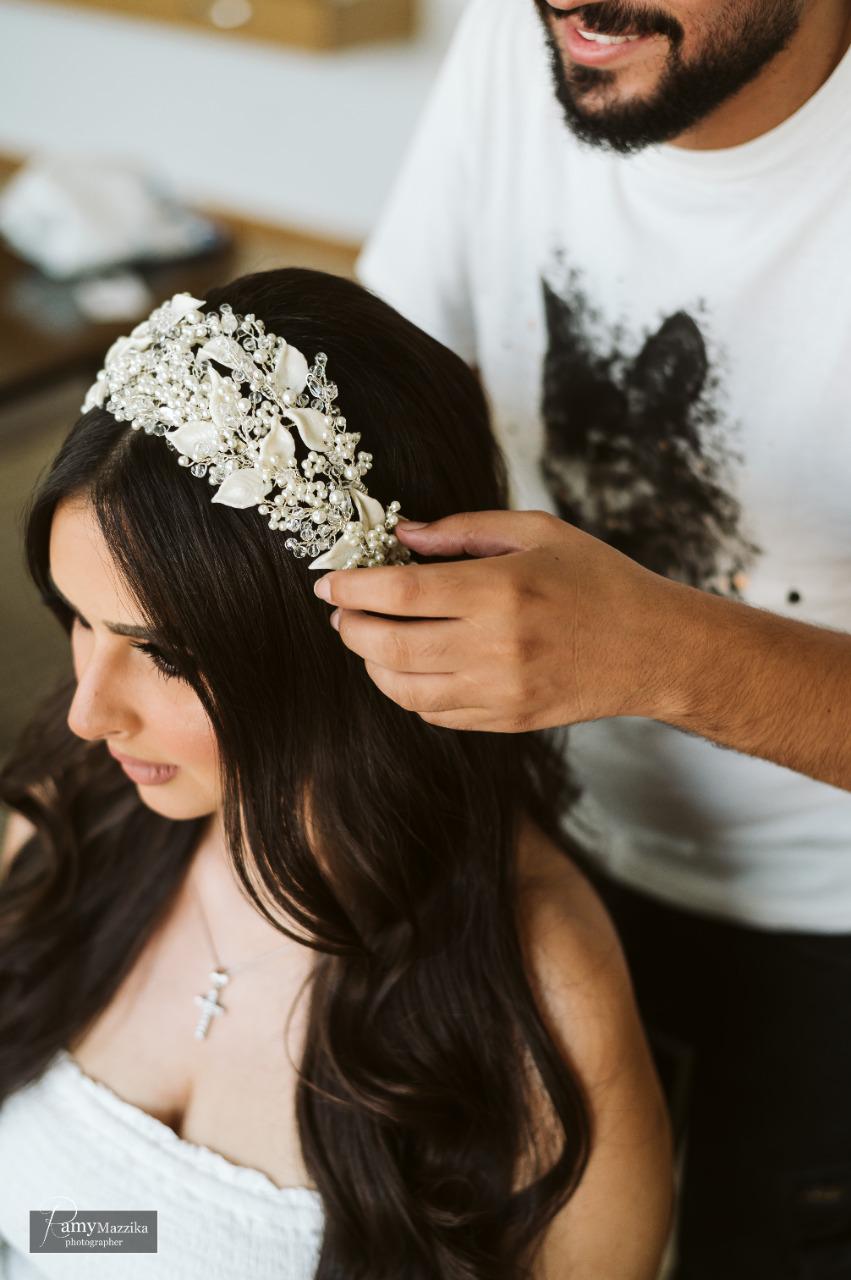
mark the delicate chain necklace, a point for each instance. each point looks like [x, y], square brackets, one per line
[219, 978]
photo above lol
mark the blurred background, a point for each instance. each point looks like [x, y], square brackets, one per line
[161, 145]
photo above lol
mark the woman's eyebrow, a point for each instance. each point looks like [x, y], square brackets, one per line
[117, 628]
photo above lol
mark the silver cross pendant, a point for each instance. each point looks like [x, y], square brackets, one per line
[209, 1003]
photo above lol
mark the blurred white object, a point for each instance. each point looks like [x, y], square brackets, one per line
[71, 216]
[229, 14]
[120, 295]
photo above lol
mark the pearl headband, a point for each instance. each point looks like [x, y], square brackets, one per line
[235, 430]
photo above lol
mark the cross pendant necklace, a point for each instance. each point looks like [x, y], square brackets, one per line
[209, 1003]
[219, 977]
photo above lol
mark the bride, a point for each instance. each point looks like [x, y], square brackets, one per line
[318, 982]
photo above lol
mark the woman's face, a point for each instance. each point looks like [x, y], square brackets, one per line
[122, 695]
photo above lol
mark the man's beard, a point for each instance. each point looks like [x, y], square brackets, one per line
[687, 92]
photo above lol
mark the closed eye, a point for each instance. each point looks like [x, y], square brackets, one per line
[159, 660]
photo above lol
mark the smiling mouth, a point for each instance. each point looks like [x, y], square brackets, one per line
[584, 45]
[583, 19]
[596, 37]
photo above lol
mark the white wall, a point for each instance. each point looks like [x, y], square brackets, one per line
[304, 140]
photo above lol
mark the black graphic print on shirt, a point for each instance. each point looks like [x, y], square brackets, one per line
[636, 448]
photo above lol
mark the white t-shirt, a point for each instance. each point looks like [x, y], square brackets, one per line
[665, 341]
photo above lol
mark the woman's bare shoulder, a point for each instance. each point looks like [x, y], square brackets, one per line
[555, 893]
[617, 1222]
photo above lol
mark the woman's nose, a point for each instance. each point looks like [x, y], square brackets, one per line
[101, 705]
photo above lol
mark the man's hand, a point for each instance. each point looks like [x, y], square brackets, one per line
[549, 626]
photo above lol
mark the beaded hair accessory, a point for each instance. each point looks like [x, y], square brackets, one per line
[235, 429]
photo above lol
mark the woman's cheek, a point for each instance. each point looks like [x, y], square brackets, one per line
[187, 734]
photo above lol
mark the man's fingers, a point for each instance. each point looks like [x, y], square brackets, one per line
[479, 533]
[441, 590]
[399, 646]
[407, 591]
[428, 694]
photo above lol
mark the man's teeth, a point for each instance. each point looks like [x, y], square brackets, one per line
[601, 39]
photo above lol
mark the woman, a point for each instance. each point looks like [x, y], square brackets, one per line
[429, 1063]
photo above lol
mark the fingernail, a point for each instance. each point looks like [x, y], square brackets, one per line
[335, 619]
[406, 525]
[323, 589]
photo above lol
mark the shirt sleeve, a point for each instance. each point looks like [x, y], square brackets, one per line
[417, 257]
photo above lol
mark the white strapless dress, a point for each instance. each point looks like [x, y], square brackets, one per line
[69, 1136]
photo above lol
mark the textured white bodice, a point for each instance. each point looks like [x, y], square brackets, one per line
[68, 1136]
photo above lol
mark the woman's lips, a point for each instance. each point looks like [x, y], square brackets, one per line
[144, 771]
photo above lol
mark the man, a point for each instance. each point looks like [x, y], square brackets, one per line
[632, 219]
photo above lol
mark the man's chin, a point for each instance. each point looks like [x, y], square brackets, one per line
[617, 84]
[607, 117]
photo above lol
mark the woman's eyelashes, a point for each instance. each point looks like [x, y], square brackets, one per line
[159, 660]
[69, 616]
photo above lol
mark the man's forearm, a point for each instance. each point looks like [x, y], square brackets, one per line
[762, 684]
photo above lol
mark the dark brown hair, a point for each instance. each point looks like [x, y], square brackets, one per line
[412, 1101]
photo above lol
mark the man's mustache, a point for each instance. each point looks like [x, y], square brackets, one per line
[616, 19]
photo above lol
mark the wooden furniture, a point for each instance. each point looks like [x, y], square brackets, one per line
[46, 339]
[306, 24]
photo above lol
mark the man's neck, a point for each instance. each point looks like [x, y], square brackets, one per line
[797, 72]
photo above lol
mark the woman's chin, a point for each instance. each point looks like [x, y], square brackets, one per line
[171, 803]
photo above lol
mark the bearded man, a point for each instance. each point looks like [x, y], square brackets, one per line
[632, 218]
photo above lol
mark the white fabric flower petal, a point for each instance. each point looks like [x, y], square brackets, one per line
[369, 510]
[182, 303]
[335, 557]
[311, 426]
[291, 370]
[225, 351]
[277, 448]
[140, 338]
[95, 396]
[195, 439]
[121, 346]
[242, 488]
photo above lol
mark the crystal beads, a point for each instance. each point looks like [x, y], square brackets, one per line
[239, 428]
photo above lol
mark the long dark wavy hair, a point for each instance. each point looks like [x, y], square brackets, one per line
[413, 1098]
